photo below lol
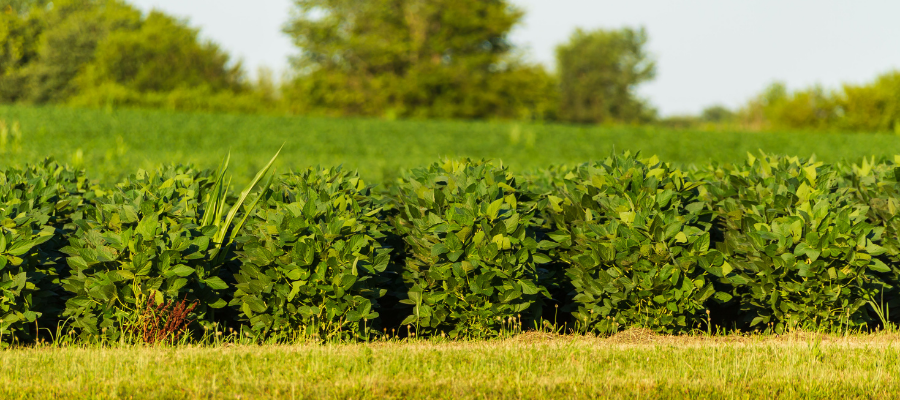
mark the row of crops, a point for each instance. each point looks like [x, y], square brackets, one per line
[460, 248]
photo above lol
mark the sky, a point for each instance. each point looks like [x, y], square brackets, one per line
[707, 51]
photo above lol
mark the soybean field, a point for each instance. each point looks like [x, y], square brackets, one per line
[110, 144]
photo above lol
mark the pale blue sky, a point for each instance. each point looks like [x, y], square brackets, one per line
[708, 51]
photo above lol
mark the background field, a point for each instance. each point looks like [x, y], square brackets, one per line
[110, 143]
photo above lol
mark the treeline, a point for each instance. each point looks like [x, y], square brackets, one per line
[410, 58]
[391, 59]
[867, 107]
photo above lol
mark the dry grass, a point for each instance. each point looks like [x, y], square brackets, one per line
[632, 364]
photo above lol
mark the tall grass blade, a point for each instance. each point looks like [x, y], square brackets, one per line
[223, 229]
[262, 193]
[216, 201]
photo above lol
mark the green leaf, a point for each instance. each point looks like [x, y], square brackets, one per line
[19, 280]
[722, 297]
[219, 303]
[726, 268]
[30, 316]
[180, 270]
[20, 248]
[438, 249]
[529, 287]
[702, 244]
[216, 283]
[455, 255]
[347, 281]
[416, 297]
[147, 227]
[381, 261]
[541, 258]
[494, 209]
[255, 304]
[706, 292]
[408, 320]
[878, 266]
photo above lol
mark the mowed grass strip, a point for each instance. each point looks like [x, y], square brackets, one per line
[116, 142]
[529, 366]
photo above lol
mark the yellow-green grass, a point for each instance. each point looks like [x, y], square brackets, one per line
[116, 142]
[631, 364]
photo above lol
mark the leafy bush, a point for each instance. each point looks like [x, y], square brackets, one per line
[799, 249]
[636, 244]
[147, 237]
[313, 257]
[876, 185]
[461, 248]
[471, 261]
[36, 207]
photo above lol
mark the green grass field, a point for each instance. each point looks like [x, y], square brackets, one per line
[108, 143]
[630, 365]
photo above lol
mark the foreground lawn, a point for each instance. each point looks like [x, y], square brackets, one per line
[110, 143]
[629, 365]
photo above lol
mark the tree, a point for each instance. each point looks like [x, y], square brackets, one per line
[160, 55]
[103, 52]
[21, 6]
[19, 45]
[598, 74]
[717, 114]
[873, 107]
[443, 58]
[74, 28]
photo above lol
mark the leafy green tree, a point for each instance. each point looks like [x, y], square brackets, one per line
[873, 107]
[437, 58]
[717, 114]
[160, 55]
[778, 108]
[70, 33]
[19, 44]
[21, 6]
[598, 73]
[100, 52]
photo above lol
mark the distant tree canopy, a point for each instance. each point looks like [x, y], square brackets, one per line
[21, 6]
[598, 73]
[389, 58]
[91, 52]
[160, 55]
[430, 58]
[867, 107]
[19, 46]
